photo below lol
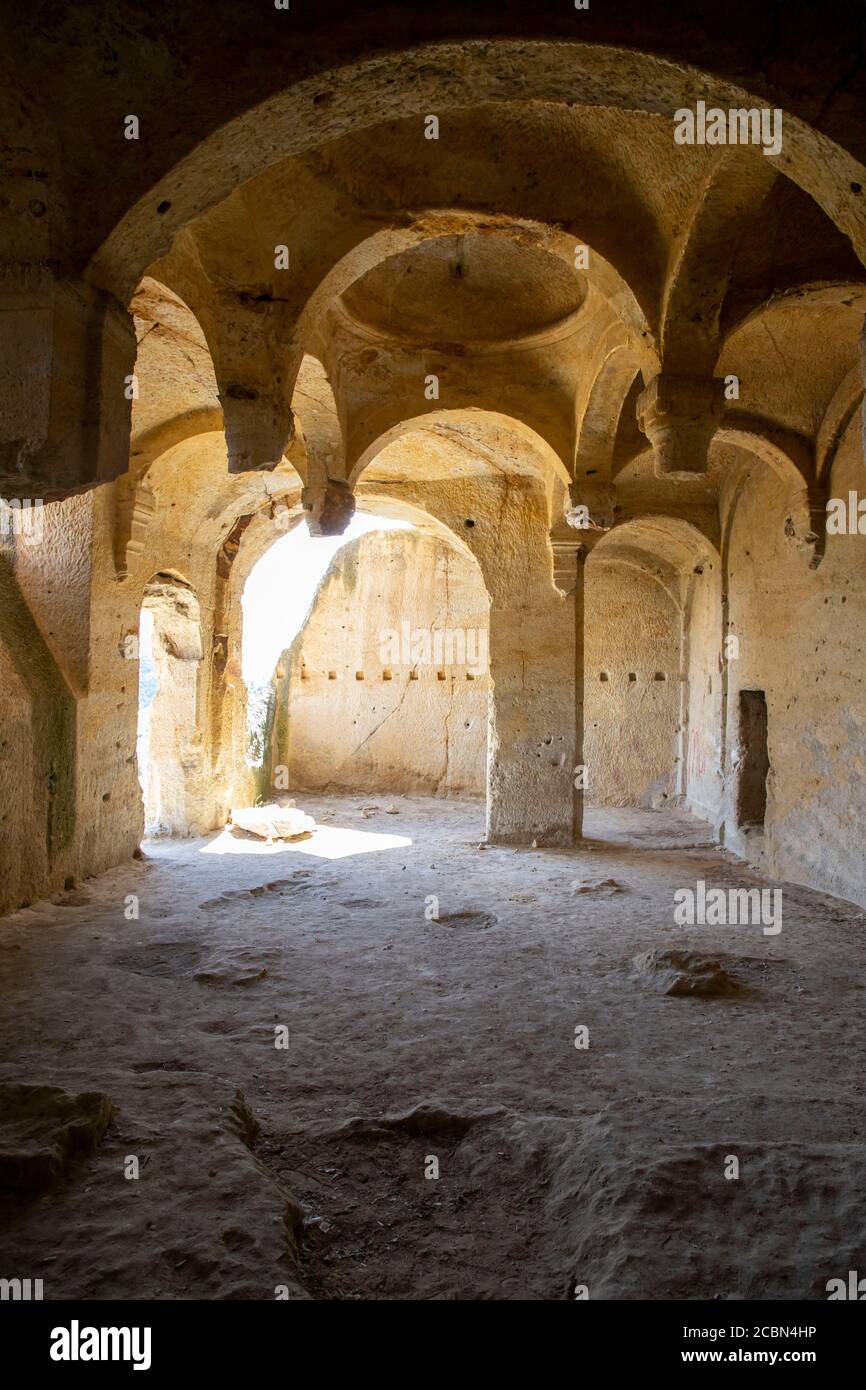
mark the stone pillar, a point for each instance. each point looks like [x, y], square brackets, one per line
[536, 734]
[259, 428]
[570, 551]
[255, 371]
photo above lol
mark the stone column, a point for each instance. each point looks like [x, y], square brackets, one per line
[536, 733]
[570, 551]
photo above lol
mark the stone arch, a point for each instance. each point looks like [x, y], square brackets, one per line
[815, 294]
[248, 527]
[134, 502]
[386, 686]
[422, 519]
[838, 416]
[599, 414]
[702, 260]
[168, 315]
[512, 483]
[317, 423]
[792, 459]
[258, 354]
[669, 539]
[466, 427]
[503, 513]
[434, 77]
[432, 224]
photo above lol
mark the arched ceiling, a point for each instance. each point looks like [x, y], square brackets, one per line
[459, 445]
[173, 365]
[456, 257]
[451, 290]
[668, 548]
[467, 242]
[790, 359]
[417, 80]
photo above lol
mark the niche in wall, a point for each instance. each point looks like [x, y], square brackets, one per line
[754, 758]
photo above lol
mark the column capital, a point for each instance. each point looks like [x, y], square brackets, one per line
[679, 415]
[570, 546]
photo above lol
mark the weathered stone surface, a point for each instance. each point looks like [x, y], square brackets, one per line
[453, 266]
[602, 886]
[273, 822]
[686, 974]
[43, 1129]
[445, 1043]
[370, 696]
[348, 324]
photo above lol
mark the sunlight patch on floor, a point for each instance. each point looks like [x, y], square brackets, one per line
[326, 842]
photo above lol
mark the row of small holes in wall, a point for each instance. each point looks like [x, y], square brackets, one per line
[388, 675]
[659, 676]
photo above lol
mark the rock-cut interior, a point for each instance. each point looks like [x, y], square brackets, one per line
[402, 426]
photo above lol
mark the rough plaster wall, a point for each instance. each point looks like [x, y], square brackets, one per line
[23, 859]
[802, 641]
[55, 578]
[62, 620]
[632, 628]
[175, 727]
[702, 742]
[419, 735]
[37, 753]
[64, 615]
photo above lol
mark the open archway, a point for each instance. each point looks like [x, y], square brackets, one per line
[652, 683]
[432, 415]
[365, 660]
[169, 731]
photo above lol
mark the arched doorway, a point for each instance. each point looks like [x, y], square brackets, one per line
[652, 685]
[375, 679]
[169, 741]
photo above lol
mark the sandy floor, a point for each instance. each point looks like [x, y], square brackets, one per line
[557, 1166]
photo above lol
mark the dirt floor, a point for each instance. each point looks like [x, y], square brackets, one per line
[301, 1169]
